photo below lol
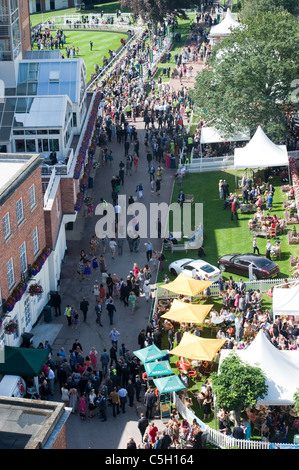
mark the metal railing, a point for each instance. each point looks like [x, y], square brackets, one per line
[112, 61]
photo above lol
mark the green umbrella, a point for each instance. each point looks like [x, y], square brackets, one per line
[151, 353]
[169, 384]
[157, 368]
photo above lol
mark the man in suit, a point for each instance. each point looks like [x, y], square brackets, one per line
[142, 425]
[84, 307]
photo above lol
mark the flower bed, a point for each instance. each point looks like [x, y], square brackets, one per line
[291, 220]
[87, 136]
[15, 296]
[293, 239]
[35, 289]
[294, 260]
[10, 327]
[40, 261]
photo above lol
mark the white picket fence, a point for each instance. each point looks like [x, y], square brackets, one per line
[263, 285]
[219, 439]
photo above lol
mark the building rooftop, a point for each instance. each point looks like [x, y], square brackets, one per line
[30, 424]
[14, 168]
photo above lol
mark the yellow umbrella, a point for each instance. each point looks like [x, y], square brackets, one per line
[186, 285]
[197, 348]
[187, 313]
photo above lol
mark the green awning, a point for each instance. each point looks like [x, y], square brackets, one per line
[151, 353]
[26, 362]
[153, 369]
[169, 384]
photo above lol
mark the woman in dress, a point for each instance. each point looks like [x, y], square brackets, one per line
[65, 394]
[92, 402]
[93, 357]
[82, 406]
[132, 301]
[96, 291]
[87, 270]
[73, 399]
[95, 264]
[80, 269]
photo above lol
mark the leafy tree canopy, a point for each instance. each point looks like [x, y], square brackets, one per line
[157, 10]
[249, 76]
[238, 385]
[250, 8]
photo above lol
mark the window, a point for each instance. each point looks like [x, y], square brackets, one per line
[27, 310]
[23, 258]
[10, 273]
[6, 226]
[20, 212]
[32, 197]
[35, 241]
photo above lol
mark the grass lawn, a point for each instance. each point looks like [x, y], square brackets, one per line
[102, 42]
[221, 234]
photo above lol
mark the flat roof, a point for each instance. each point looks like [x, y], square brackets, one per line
[14, 169]
[30, 424]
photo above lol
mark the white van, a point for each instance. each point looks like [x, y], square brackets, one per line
[12, 386]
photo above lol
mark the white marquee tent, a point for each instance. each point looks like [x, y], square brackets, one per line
[224, 27]
[281, 368]
[210, 135]
[286, 301]
[261, 152]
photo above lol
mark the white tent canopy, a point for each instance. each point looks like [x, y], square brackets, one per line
[281, 368]
[224, 27]
[210, 135]
[286, 301]
[261, 152]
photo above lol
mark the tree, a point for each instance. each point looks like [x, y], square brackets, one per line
[238, 385]
[156, 11]
[249, 77]
[296, 400]
[250, 8]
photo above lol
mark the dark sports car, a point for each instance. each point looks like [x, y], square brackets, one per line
[263, 268]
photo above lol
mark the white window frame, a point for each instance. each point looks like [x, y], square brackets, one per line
[10, 273]
[23, 257]
[6, 226]
[32, 197]
[35, 241]
[20, 210]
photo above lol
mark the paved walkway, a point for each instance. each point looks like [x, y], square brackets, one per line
[115, 432]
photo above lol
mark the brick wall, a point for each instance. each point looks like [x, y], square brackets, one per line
[25, 26]
[60, 441]
[23, 232]
[67, 194]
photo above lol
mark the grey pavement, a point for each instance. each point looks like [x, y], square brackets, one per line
[92, 433]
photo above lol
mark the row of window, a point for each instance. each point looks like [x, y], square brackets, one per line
[23, 259]
[19, 211]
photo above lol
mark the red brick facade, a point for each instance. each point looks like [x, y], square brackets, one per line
[9, 248]
[25, 26]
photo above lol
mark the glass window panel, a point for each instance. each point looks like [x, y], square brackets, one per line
[7, 119]
[30, 145]
[45, 145]
[20, 145]
[30, 132]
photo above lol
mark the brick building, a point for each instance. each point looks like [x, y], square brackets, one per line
[22, 241]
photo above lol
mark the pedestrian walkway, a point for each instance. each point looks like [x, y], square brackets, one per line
[115, 432]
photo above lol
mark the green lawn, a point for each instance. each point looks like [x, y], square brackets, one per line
[102, 42]
[221, 234]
